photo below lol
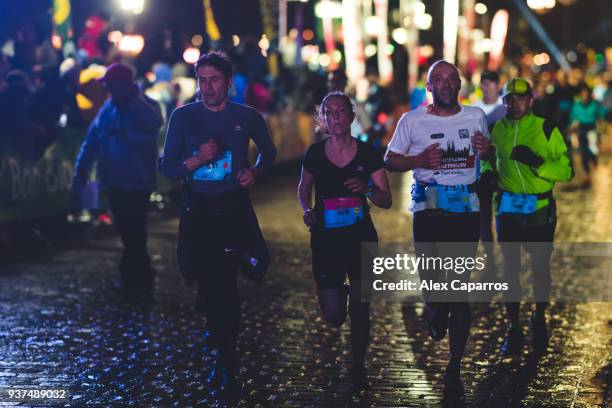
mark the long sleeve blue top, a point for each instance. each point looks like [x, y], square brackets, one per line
[193, 124]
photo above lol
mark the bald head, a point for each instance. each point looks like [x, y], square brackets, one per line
[444, 83]
[437, 65]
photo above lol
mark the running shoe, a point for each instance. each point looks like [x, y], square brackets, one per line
[438, 323]
[513, 343]
[539, 335]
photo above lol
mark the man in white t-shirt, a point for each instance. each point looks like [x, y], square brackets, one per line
[440, 143]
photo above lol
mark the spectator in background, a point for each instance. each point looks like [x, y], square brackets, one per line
[46, 106]
[493, 107]
[122, 139]
[19, 134]
[175, 98]
[13, 106]
[239, 88]
[607, 102]
[418, 97]
[584, 115]
[563, 97]
[491, 103]
[258, 96]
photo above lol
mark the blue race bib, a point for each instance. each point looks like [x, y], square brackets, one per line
[418, 192]
[455, 199]
[517, 203]
[218, 170]
[342, 212]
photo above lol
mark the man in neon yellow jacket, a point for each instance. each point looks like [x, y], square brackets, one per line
[530, 156]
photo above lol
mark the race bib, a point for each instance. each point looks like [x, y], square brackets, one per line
[517, 203]
[218, 170]
[418, 192]
[342, 212]
[456, 199]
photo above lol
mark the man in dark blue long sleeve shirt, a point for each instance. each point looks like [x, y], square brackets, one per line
[206, 146]
[229, 130]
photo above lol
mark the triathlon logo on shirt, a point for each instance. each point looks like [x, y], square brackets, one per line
[464, 134]
[452, 158]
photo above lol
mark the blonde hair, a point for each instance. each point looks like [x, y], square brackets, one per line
[320, 126]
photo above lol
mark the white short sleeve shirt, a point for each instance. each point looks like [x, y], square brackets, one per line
[418, 129]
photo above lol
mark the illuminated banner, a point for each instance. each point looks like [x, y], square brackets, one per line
[268, 21]
[385, 67]
[353, 40]
[451, 20]
[33, 186]
[499, 28]
[325, 10]
[467, 24]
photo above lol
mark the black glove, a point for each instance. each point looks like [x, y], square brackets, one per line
[524, 155]
[488, 178]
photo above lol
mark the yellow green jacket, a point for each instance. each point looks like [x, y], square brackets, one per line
[543, 139]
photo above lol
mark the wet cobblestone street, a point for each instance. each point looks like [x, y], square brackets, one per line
[62, 325]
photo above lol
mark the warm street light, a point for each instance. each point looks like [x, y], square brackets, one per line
[423, 21]
[400, 35]
[197, 40]
[480, 8]
[541, 59]
[191, 55]
[499, 31]
[133, 6]
[131, 44]
[307, 34]
[56, 41]
[264, 43]
[115, 37]
[328, 9]
[337, 56]
[426, 51]
[324, 60]
[373, 25]
[541, 6]
[370, 50]
[419, 8]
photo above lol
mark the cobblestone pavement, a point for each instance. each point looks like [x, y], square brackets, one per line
[63, 326]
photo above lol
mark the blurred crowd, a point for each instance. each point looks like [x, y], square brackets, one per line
[48, 93]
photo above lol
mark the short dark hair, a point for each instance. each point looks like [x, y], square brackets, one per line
[216, 59]
[490, 76]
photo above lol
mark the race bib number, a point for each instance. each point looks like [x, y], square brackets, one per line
[517, 203]
[456, 199]
[218, 170]
[342, 212]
